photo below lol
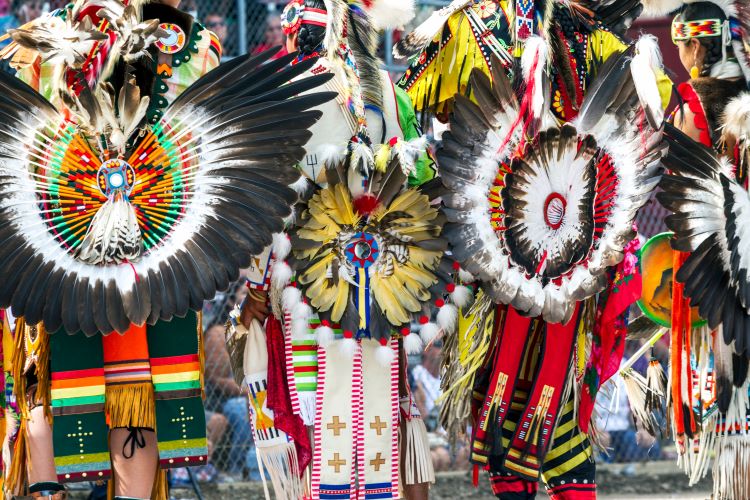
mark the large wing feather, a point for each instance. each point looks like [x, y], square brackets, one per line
[211, 186]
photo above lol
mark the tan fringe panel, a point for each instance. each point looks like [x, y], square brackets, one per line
[201, 353]
[18, 474]
[130, 405]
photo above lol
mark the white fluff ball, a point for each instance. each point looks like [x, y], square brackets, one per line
[384, 355]
[447, 317]
[413, 344]
[348, 347]
[281, 246]
[324, 335]
[290, 297]
[302, 311]
[301, 329]
[429, 332]
[465, 276]
[461, 296]
[281, 274]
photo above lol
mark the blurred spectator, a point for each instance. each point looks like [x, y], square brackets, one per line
[29, 10]
[427, 385]
[273, 37]
[225, 397]
[218, 24]
[7, 19]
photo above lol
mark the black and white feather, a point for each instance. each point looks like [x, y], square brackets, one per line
[539, 223]
[227, 149]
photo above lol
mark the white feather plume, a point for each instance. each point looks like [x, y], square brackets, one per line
[644, 67]
[348, 347]
[290, 297]
[447, 317]
[429, 332]
[736, 121]
[461, 296]
[281, 274]
[324, 336]
[391, 14]
[535, 50]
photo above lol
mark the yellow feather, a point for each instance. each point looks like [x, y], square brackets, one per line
[341, 301]
[388, 303]
[318, 269]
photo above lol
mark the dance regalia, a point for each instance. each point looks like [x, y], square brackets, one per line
[548, 291]
[706, 190]
[363, 258]
[132, 181]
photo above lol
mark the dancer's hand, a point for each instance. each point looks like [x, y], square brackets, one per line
[255, 306]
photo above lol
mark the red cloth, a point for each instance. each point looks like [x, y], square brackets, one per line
[278, 394]
[610, 331]
[691, 98]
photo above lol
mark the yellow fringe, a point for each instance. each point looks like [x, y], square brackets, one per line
[130, 405]
[18, 363]
[18, 473]
[16, 368]
[160, 490]
[201, 353]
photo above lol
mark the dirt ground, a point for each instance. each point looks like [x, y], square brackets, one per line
[653, 481]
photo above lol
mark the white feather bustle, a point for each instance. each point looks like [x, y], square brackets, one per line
[447, 317]
[348, 347]
[413, 343]
[535, 47]
[429, 332]
[281, 274]
[384, 355]
[290, 297]
[281, 246]
[331, 155]
[324, 336]
[391, 14]
[461, 296]
[644, 68]
[465, 276]
[736, 120]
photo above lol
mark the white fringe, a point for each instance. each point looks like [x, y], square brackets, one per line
[417, 458]
[307, 401]
[280, 462]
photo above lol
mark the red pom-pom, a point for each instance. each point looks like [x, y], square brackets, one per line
[405, 331]
[439, 303]
[325, 322]
[348, 334]
[366, 203]
[383, 341]
[456, 266]
[393, 141]
[424, 320]
[450, 287]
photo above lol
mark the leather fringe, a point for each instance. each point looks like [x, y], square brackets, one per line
[19, 358]
[130, 405]
[17, 479]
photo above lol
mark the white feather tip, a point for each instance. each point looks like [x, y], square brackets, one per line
[391, 14]
[737, 117]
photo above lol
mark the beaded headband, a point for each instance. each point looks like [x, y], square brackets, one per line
[682, 31]
[295, 14]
